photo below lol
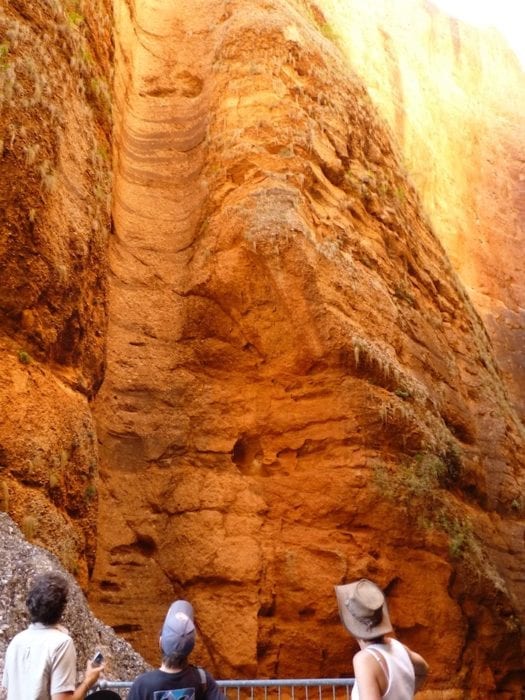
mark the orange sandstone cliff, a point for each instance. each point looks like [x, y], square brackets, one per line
[54, 197]
[310, 370]
[454, 98]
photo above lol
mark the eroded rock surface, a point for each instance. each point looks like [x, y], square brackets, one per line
[314, 350]
[454, 97]
[55, 116]
[299, 390]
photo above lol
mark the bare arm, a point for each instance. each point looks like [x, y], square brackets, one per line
[368, 676]
[420, 667]
[90, 678]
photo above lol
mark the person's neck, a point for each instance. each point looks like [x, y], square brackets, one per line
[363, 643]
[168, 669]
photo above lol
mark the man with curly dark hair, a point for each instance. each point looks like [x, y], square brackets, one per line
[40, 662]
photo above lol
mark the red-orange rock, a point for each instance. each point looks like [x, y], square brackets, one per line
[301, 387]
[54, 146]
[283, 322]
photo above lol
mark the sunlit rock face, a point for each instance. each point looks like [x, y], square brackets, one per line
[454, 97]
[311, 361]
[300, 390]
[55, 121]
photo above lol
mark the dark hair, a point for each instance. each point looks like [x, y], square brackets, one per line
[175, 660]
[47, 598]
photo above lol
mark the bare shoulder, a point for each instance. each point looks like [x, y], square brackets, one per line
[369, 676]
[366, 664]
[364, 660]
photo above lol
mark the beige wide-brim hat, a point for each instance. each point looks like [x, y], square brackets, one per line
[363, 609]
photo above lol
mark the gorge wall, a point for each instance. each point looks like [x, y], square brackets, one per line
[55, 124]
[453, 99]
[313, 368]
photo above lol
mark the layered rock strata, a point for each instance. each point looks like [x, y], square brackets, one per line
[55, 119]
[299, 390]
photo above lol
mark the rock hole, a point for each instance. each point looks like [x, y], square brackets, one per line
[146, 545]
[247, 454]
[267, 609]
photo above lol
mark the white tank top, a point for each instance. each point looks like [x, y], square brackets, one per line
[401, 676]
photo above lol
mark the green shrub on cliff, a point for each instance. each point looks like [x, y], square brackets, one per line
[418, 487]
[75, 18]
[90, 492]
[419, 478]
[24, 357]
[328, 31]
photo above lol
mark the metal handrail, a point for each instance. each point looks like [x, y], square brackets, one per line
[265, 683]
[255, 683]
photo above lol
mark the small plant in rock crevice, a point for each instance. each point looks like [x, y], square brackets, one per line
[402, 393]
[419, 488]
[4, 53]
[400, 194]
[421, 477]
[29, 526]
[74, 18]
[401, 292]
[90, 492]
[24, 357]
[328, 31]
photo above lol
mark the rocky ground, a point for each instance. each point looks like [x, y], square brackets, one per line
[21, 562]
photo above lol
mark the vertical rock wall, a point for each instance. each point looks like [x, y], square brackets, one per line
[299, 391]
[55, 116]
[454, 97]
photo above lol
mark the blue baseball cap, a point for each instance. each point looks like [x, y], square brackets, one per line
[178, 631]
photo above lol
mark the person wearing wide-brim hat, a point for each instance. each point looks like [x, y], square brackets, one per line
[384, 668]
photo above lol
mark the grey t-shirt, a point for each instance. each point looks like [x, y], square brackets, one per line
[40, 662]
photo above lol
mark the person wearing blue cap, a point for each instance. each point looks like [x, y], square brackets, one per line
[176, 679]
